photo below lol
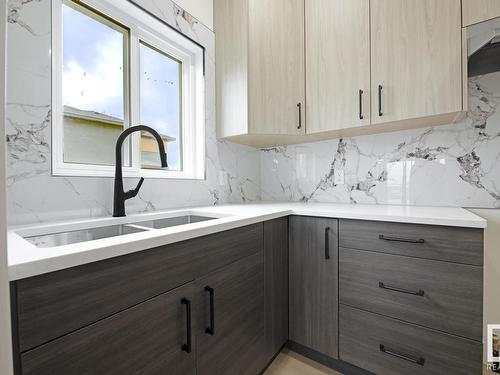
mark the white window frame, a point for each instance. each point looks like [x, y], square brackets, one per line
[142, 27]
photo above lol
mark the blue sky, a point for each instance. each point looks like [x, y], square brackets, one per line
[93, 77]
[160, 98]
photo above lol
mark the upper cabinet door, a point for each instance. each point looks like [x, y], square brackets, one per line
[416, 58]
[474, 11]
[337, 64]
[276, 65]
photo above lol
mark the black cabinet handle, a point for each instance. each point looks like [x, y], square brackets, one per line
[419, 293]
[418, 361]
[361, 104]
[400, 239]
[211, 293]
[327, 243]
[187, 346]
[380, 101]
[299, 106]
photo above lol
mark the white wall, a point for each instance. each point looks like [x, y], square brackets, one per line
[203, 10]
[5, 337]
[491, 266]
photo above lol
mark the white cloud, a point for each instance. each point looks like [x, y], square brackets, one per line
[98, 87]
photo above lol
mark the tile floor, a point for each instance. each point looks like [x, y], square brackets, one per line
[291, 363]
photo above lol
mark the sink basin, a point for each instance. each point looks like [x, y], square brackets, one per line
[71, 237]
[172, 221]
[59, 238]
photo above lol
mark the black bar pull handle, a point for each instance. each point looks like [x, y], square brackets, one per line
[400, 239]
[299, 106]
[380, 101]
[361, 104]
[327, 243]
[418, 361]
[211, 293]
[419, 293]
[187, 346]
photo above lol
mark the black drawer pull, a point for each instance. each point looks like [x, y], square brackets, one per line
[418, 361]
[419, 293]
[299, 106]
[400, 239]
[361, 104]
[211, 293]
[380, 101]
[327, 243]
[187, 346]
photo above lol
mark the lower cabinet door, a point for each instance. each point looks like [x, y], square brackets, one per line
[276, 285]
[314, 283]
[150, 338]
[230, 319]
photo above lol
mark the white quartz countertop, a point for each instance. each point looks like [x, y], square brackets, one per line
[26, 260]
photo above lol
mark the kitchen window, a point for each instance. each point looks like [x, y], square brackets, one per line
[115, 66]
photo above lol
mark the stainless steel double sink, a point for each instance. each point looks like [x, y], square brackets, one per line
[90, 234]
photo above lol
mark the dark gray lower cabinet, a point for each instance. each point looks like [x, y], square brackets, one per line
[411, 298]
[388, 346]
[449, 244]
[231, 334]
[54, 304]
[244, 309]
[145, 339]
[314, 283]
[441, 295]
[214, 305]
[225, 304]
[275, 285]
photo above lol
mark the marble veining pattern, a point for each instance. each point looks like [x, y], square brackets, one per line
[232, 171]
[451, 165]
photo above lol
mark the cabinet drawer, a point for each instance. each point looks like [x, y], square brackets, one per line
[145, 339]
[57, 303]
[440, 295]
[453, 244]
[390, 347]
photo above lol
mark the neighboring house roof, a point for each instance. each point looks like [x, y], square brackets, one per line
[166, 138]
[91, 115]
[102, 118]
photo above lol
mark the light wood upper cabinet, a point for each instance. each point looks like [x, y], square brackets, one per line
[276, 66]
[416, 59]
[292, 71]
[260, 67]
[231, 69]
[474, 11]
[337, 64]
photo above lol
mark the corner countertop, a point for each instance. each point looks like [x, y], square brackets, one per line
[26, 260]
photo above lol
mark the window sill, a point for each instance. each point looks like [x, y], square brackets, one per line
[109, 172]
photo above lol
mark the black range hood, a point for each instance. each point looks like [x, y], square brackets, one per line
[484, 48]
[485, 60]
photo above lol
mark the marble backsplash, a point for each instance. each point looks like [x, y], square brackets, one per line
[232, 171]
[451, 165]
